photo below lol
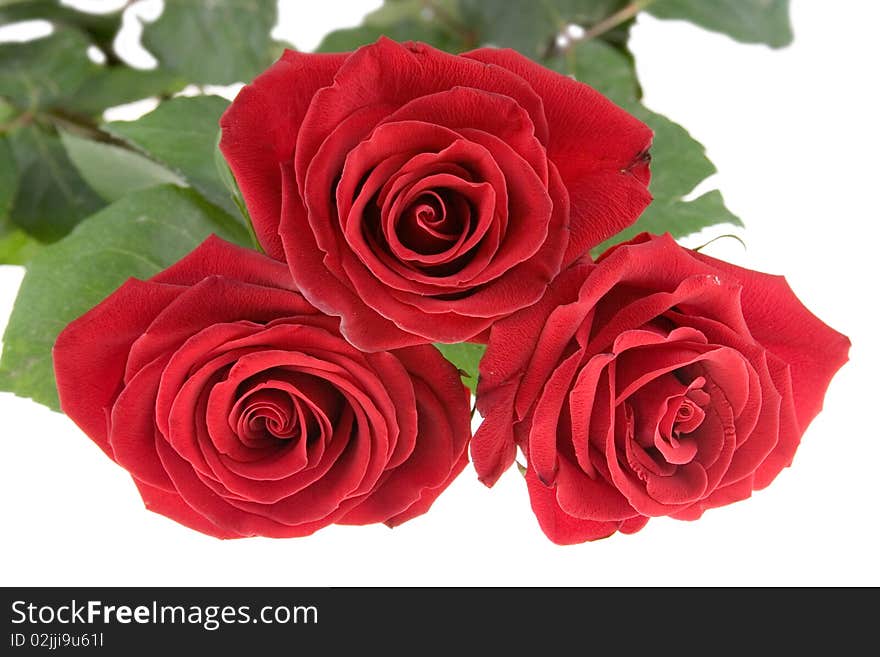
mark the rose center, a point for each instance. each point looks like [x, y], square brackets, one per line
[268, 415]
[283, 408]
[681, 416]
[426, 214]
[427, 226]
[686, 416]
[666, 415]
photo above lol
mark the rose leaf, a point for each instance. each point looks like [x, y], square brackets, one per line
[604, 67]
[466, 357]
[16, 246]
[679, 161]
[749, 21]
[101, 28]
[50, 197]
[532, 27]
[218, 42]
[138, 235]
[181, 134]
[41, 73]
[118, 85]
[113, 171]
[437, 24]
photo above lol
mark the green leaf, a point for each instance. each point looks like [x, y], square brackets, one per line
[680, 218]
[525, 25]
[16, 247]
[231, 186]
[7, 112]
[750, 21]
[138, 236]
[679, 164]
[113, 171]
[182, 134]
[56, 70]
[531, 26]
[350, 38]
[8, 178]
[602, 66]
[217, 42]
[101, 28]
[679, 161]
[118, 85]
[406, 20]
[40, 73]
[466, 357]
[51, 197]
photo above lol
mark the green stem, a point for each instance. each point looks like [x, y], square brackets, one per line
[617, 18]
[22, 119]
[78, 124]
[714, 239]
[61, 119]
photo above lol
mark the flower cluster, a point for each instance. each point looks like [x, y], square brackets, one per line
[405, 197]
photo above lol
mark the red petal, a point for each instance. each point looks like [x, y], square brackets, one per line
[493, 448]
[91, 353]
[560, 527]
[780, 322]
[370, 331]
[545, 430]
[260, 129]
[583, 497]
[789, 436]
[198, 498]
[418, 70]
[464, 109]
[171, 505]
[214, 300]
[441, 446]
[597, 147]
[511, 348]
[217, 257]
[133, 428]
[428, 496]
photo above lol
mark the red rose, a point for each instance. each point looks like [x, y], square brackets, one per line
[657, 382]
[420, 195]
[239, 409]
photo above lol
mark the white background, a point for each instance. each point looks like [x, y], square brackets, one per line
[794, 134]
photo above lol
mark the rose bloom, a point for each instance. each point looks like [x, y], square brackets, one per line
[656, 382]
[420, 195]
[239, 410]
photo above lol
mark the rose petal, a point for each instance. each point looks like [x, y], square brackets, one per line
[780, 322]
[597, 147]
[260, 130]
[508, 355]
[133, 428]
[172, 505]
[88, 372]
[425, 70]
[545, 429]
[560, 527]
[584, 497]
